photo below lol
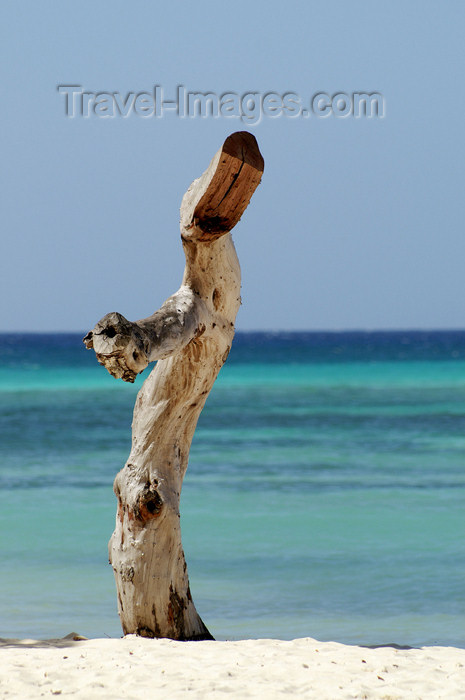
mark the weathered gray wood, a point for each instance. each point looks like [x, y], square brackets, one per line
[190, 337]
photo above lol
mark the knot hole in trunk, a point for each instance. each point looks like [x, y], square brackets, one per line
[150, 502]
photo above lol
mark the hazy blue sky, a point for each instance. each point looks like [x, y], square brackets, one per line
[358, 223]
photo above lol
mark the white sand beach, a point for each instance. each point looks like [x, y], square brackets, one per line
[134, 668]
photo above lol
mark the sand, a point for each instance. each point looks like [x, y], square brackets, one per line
[304, 668]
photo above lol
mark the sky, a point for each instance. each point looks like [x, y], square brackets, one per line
[358, 222]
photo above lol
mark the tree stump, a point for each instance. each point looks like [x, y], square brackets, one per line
[190, 337]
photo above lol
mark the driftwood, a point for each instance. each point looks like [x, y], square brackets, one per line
[190, 337]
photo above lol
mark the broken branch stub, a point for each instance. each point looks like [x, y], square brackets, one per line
[215, 202]
[190, 337]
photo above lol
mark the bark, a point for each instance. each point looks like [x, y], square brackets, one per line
[190, 337]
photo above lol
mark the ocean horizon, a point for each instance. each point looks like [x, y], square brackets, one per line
[324, 496]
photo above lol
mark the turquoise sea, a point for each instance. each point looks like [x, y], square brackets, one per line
[325, 494]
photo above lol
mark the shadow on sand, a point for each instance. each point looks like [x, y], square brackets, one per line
[70, 640]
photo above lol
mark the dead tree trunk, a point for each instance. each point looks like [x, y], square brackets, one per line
[190, 337]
